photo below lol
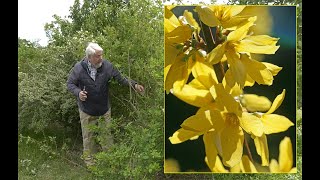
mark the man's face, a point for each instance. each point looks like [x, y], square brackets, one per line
[96, 59]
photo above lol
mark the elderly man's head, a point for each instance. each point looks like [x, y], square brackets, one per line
[94, 54]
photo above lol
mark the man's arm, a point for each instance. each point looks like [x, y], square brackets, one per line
[72, 83]
[124, 81]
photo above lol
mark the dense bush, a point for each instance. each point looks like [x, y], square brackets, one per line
[133, 41]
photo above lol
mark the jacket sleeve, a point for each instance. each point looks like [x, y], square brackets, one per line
[73, 82]
[122, 80]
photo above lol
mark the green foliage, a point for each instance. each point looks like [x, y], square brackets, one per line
[132, 37]
[137, 153]
[43, 158]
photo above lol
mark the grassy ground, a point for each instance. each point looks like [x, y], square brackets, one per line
[43, 159]
[54, 155]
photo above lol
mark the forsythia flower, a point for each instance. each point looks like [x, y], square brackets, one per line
[225, 16]
[225, 113]
[237, 49]
[245, 166]
[183, 47]
[285, 158]
[269, 124]
[222, 121]
[254, 103]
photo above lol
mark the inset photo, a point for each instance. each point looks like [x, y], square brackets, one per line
[230, 85]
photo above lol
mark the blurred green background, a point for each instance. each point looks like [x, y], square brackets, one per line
[190, 154]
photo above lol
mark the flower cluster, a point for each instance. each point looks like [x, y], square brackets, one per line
[226, 114]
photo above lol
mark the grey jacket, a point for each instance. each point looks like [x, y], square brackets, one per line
[97, 102]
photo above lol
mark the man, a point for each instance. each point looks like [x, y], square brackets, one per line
[89, 82]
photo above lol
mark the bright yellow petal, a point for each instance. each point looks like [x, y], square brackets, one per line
[249, 81]
[171, 21]
[261, 144]
[274, 166]
[254, 103]
[257, 71]
[210, 148]
[226, 100]
[235, 22]
[277, 102]
[218, 167]
[171, 53]
[168, 14]
[207, 16]
[193, 96]
[264, 22]
[285, 155]
[178, 73]
[194, 138]
[236, 91]
[274, 69]
[197, 84]
[204, 73]
[166, 70]
[237, 67]
[182, 135]
[213, 92]
[189, 17]
[241, 32]
[251, 124]
[179, 35]
[236, 9]
[229, 78]
[247, 166]
[216, 54]
[169, 26]
[274, 123]
[262, 44]
[232, 145]
[218, 122]
[293, 170]
[235, 169]
[261, 40]
[200, 122]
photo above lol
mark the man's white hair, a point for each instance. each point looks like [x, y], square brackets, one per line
[92, 48]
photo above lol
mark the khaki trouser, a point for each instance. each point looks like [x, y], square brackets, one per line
[90, 146]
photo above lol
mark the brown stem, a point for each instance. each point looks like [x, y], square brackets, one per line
[248, 149]
[211, 44]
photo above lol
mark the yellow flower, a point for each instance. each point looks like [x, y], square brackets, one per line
[254, 103]
[264, 22]
[245, 166]
[197, 92]
[221, 120]
[285, 158]
[263, 25]
[270, 123]
[183, 47]
[221, 15]
[237, 49]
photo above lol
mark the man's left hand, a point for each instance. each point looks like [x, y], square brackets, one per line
[139, 88]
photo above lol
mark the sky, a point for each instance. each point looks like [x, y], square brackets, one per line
[34, 14]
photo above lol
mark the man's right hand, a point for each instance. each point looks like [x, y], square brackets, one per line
[83, 95]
